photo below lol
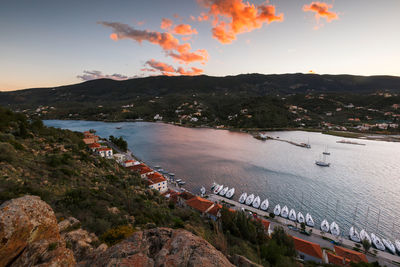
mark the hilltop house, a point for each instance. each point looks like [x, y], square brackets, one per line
[142, 169]
[93, 147]
[130, 163]
[157, 182]
[352, 255]
[105, 152]
[119, 157]
[308, 251]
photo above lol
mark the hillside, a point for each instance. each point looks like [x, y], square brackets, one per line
[242, 101]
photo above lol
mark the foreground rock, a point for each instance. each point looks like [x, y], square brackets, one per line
[160, 247]
[29, 235]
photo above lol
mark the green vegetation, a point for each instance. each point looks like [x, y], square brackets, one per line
[119, 142]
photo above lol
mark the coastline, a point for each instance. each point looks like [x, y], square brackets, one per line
[373, 136]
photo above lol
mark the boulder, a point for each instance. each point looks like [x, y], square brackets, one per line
[241, 261]
[160, 247]
[29, 235]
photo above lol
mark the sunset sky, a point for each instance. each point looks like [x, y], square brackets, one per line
[49, 43]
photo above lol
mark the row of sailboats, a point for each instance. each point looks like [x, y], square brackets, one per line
[223, 191]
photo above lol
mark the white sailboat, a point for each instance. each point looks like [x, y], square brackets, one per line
[365, 236]
[249, 199]
[292, 215]
[325, 226]
[230, 193]
[264, 205]
[354, 235]
[300, 217]
[335, 229]
[256, 202]
[223, 191]
[212, 186]
[285, 212]
[376, 241]
[309, 220]
[389, 245]
[322, 163]
[397, 245]
[277, 210]
[326, 151]
[202, 190]
[242, 198]
[218, 189]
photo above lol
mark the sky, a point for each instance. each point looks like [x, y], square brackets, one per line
[46, 43]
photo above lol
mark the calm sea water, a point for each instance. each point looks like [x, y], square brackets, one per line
[359, 176]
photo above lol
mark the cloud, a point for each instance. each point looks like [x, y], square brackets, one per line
[233, 17]
[184, 29]
[321, 10]
[165, 40]
[166, 23]
[95, 74]
[166, 69]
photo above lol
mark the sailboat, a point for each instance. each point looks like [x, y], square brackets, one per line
[323, 162]
[277, 210]
[376, 241]
[223, 191]
[365, 236]
[249, 199]
[300, 217]
[292, 215]
[285, 212]
[335, 229]
[264, 205]
[309, 220]
[389, 245]
[354, 235]
[242, 198]
[325, 226]
[397, 245]
[218, 189]
[326, 151]
[202, 190]
[230, 193]
[212, 186]
[256, 202]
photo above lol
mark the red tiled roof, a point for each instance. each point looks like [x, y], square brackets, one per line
[104, 149]
[145, 170]
[137, 167]
[265, 223]
[186, 195]
[352, 255]
[337, 260]
[94, 145]
[214, 210]
[155, 179]
[199, 203]
[307, 247]
[88, 141]
[129, 161]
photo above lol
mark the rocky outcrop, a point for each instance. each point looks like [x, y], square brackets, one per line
[160, 247]
[29, 235]
[82, 243]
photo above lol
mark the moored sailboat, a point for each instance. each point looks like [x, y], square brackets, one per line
[285, 212]
[309, 220]
[249, 199]
[354, 235]
[256, 202]
[325, 226]
[202, 190]
[264, 205]
[335, 229]
[300, 217]
[230, 193]
[277, 210]
[397, 245]
[389, 245]
[218, 189]
[365, 236]
[376, 241]
[223, 191]
[242, 198]
[292, 215]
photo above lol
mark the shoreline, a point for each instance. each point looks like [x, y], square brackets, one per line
[373, 136]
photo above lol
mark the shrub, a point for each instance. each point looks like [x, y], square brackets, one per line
[52, 246]
[7, 152]
[117, 234]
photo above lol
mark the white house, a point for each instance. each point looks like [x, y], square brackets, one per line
[157, 182]
[119, 157]
[130, 163]
[105, 152]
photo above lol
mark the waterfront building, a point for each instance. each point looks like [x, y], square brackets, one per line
[337, 260]
[352, 255]
[105, 152]
[308, 251]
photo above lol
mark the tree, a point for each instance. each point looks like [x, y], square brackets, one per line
[366, 245]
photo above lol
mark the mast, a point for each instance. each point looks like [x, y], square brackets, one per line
[377, 223]
[366, 219]
[355, 214]
[337, 204]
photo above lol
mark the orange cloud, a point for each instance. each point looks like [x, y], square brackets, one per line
[184, 29]
[203, 17]
[166, 23]
[321, 10]
[166, 69]
[166, 41]
[232, 17]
